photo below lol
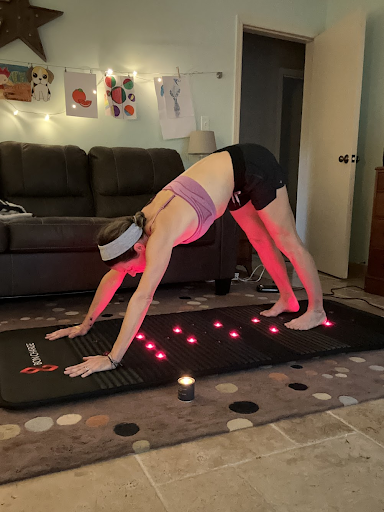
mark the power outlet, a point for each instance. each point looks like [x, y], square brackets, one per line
[205, 123]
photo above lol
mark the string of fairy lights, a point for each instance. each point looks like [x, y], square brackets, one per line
[143, 77]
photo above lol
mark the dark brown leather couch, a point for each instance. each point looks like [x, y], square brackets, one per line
[71, 195]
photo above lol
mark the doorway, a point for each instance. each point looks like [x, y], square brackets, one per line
[330, 125]
[272, 79]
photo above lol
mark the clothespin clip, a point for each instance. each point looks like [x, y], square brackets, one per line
[178, 71]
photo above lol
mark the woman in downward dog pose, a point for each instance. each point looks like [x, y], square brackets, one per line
[247, 179]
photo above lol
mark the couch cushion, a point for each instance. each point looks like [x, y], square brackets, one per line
[46, 180]
[124, 179]
[4, 237]
[54, 234]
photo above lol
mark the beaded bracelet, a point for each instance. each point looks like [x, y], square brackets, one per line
[114, 363]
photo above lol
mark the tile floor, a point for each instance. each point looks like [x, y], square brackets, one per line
[328, 462]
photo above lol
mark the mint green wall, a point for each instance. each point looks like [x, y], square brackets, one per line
[147, 36]
[371, 133]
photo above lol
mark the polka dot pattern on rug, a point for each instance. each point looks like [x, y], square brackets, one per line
[227, 388]
[9, 431]
[327, 376]
[239, 424]
[322, 396]
[39, 424]
[341, 375]
[377, 368]
[69, 419]
[341, 369]
[141, 446]
[244, 407]
[357, 359]
[72, 313]
[297, 386]
[97, 421]
[57, 310]
[279, 377]
[348, 400]
[126, 429]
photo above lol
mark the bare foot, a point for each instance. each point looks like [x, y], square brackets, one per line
[309, 320]
[282, 305]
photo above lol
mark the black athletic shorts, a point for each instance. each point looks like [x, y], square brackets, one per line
[257, 175]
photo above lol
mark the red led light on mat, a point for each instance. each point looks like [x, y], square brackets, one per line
[191, 339]
[234, 334]
[255, 320]
[274, 329]
[328, 323]
[218, 324]
[177, 330]
[150, 346]
[140, 336]
[160, 355]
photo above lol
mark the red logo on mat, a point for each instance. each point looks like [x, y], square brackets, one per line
[45, 368]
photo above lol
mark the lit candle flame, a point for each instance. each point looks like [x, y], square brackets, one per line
[186, 381]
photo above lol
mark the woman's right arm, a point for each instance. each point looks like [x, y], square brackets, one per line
[104, 293]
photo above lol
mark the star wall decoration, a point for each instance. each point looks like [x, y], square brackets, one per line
[20, 20]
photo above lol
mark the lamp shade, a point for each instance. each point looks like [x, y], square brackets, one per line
[202, 143]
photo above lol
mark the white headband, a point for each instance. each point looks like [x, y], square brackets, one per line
[121, 244]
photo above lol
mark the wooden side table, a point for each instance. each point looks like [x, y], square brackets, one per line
[374, 281]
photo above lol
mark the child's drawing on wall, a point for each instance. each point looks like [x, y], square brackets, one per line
[14, 84]
[177, 96]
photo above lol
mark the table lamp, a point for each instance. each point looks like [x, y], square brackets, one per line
[202, 142]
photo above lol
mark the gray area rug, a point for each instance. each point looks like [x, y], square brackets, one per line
[65, 436]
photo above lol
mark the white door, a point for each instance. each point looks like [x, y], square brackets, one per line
[331, 111]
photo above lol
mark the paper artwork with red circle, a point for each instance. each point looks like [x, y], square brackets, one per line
[80, 94]
[120, 97]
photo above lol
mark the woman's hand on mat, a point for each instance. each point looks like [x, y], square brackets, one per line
[71, 332]
[92, 364]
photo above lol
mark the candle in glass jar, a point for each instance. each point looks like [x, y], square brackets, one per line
[186, 392]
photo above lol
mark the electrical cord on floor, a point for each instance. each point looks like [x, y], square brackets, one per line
[332, 294]
[249, 279]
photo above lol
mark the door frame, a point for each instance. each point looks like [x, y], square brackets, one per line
[242, 27]
[303, 172]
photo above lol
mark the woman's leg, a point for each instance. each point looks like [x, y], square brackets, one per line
[278, 219]
[249, 221]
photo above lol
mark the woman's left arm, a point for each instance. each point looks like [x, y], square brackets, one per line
[158, 253]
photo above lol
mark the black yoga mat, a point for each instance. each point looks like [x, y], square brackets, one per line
[168, 346]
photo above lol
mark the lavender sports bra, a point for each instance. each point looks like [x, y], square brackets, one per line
[195, 195]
